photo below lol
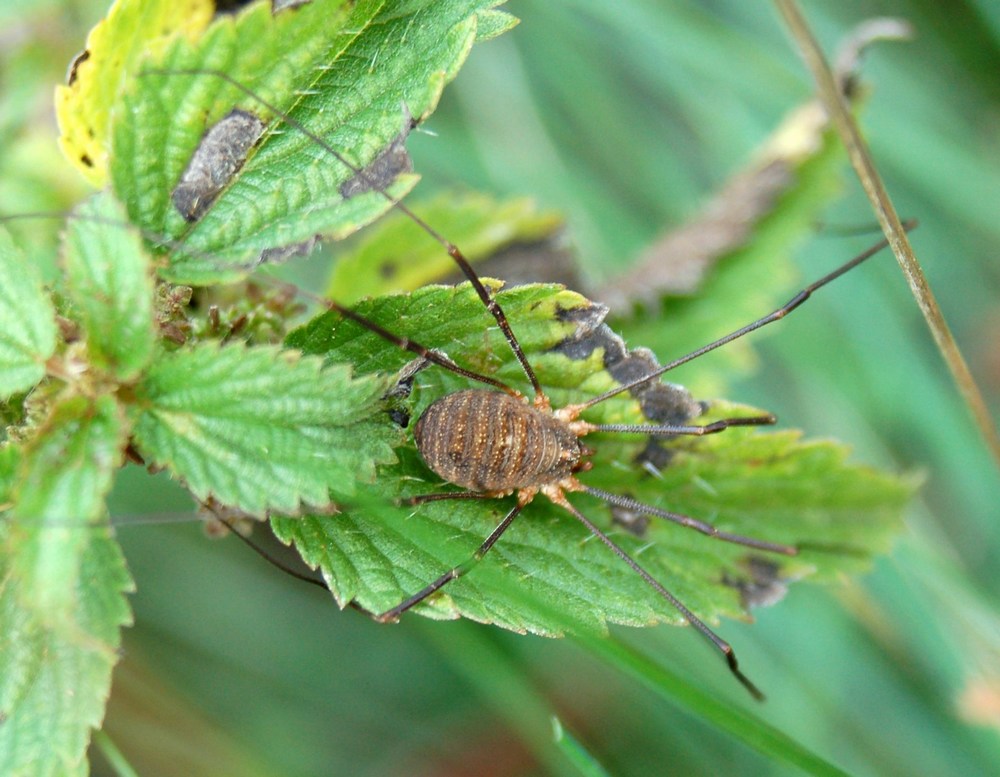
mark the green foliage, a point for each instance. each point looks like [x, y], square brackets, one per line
[398, 255]
[344, 71]
[259, 428]
[62, 586]
[111, 283]
[767, 485]
[262, 428]
[132, 31]
[26, 320]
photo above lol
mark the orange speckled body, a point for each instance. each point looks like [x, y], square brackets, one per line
[492, 442]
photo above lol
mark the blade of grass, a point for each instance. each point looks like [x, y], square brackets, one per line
[748, 728]
[864, 166]
[575, 752]
[115, 758]
[503, 685]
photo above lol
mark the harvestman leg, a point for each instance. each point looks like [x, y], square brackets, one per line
[542, 401]
[390, 616]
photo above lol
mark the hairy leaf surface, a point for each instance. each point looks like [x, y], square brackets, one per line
[354, 74]
[547, 574]
[62, 585]
[27, 321]
[110, 283]
[260, 428]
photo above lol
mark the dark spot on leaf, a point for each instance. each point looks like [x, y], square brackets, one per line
[399, 417]
[760, 585]
[385, 168]
[287, 5]
[387, 269]
[284, 253]
[632, 521]
[220, 154]
[86, 160]
[661, 403]
[78, 60]
[654, 455]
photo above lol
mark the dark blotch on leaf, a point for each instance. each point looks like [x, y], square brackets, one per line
[762, 585]
[662, 403]
[284, 253]
[384, 169]
[78, 60]
[631, 520]
[219, 156]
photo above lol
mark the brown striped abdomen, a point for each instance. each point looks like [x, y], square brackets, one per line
[490, 441]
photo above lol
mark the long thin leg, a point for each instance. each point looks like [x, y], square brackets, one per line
[718, 642]
[390, 616]
[453, 250]
[692, 523]
[267, 556]
[414, 347]
[770, 318]
[402, 342]
[668, 431]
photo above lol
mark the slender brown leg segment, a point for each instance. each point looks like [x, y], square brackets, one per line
[390, 616]
[692, 523]
[668, 431]
[496, 442]
[718, 642]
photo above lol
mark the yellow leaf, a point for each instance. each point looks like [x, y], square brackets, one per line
[133, 30]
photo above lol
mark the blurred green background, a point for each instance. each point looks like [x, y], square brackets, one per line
[625, 116]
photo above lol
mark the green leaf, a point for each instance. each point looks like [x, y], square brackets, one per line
[352, 74]
[10, 460]
[61, 583]
[492, 24]
[64, 474]
[545, 575]
[260, 428]
[110, 283]
[27, 321]
[55, 676]
[132, 30]
[397, 255]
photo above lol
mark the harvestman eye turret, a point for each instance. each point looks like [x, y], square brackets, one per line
[495, 442]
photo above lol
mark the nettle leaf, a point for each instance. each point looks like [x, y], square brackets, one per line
[133, 29]
[27, 321]
[62, 586]
[547, 575]
[397, 255]
[10, 460]
[110, 283]
[354, 74]
[260, 428]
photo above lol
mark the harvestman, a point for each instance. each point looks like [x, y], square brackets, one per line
[495, 442]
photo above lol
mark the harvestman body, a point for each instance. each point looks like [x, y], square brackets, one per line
[495, 442]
